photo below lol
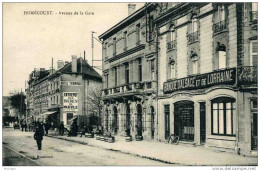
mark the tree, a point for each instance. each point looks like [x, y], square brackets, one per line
[18, 102]
[94, 103]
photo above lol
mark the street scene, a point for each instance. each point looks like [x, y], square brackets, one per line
[159, 84]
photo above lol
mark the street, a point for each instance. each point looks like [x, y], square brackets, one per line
[57, 152]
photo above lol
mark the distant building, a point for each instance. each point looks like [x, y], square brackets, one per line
[61, 94]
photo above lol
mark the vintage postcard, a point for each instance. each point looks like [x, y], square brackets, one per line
[130, 84]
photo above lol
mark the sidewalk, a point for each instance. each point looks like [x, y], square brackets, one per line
[180, 154]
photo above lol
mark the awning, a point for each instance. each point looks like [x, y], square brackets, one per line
[74, 117]
[48, 113]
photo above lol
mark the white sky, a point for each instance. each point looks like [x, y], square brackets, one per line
[30, 41]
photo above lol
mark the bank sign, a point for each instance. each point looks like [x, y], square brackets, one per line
[70, 101]
[227, 76]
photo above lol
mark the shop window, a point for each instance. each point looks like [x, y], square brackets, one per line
[223, 116]
[253, 53]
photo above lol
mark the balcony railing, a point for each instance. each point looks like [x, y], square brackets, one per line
[219, 27]
[128, 87]
[193, 37]
[253, 16]
[247, 75]
[171, 45]
[117, 90]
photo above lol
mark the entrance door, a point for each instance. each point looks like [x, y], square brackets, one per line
[114, 125]
[152, 122]
[139, 120]
[202, 122]
[184, 120]
[254, 132]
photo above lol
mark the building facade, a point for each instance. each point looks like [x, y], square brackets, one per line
[62, 94]
[207, 74]
[129, 76]
[191, 72]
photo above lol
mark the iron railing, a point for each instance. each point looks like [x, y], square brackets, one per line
[171, 45]
[193, 37]
[247, 75]
[220, 26]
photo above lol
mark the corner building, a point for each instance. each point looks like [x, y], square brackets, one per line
[207, 74]
[129, 74]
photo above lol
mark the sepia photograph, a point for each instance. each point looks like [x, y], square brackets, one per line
[169, 84]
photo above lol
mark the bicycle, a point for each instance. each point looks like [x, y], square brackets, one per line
[173, 139]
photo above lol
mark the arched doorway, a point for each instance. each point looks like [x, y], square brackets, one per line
[184, 120]
[128, 120]
[115, 120]
[152, 122]
[139, 120]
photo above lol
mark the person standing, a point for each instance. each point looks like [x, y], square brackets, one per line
[38, 136]
[61, 128]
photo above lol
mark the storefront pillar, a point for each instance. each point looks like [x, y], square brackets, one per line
[172, 118]
[197, 123]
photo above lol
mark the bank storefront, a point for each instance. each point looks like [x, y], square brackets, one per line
[201, 109]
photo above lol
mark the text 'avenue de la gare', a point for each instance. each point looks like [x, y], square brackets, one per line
[201, 81]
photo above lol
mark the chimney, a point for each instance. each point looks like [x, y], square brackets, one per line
[51, 70]
[131, 9]
[66, 62]
[74, 63]
[60, 64]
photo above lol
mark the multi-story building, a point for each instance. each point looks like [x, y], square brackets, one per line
[129, 85]
[207, 74]
[62, 94]
[200, 62]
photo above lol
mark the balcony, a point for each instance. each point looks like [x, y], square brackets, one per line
[193, 37]
[220, 27]
[253, 16]
[171, 45]
[247, 75]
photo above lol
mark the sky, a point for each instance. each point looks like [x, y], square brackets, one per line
[31, 41]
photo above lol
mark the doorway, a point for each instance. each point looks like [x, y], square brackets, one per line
[139, 120]
[152, 122]
[254, 131]
[114, 123]
[128, 121]
[184, 120]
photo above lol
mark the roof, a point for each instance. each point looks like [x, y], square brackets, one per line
[126, 21]
[82, 67]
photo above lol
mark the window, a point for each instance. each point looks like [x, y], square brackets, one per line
[140, 69]
[138, 36]
[194, 25]
[254, 7]
[223, 116]
[115, 76]
[195, 67]
[125, 41]
[151, 28]
[152, 70]
[106, 77]
[173, 35]
[114, 44]
[222, 59]
[221, 13]
[105, 51]
[57, 100]
[167, 120]
[127, 73]
[253, 53]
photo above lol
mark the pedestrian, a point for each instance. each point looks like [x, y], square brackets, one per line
[61, 128]
[46, 127]
[38, 136]
[23, 125]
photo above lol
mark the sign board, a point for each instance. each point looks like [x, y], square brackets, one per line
[70, 101]
[71, 83]
[227, 76]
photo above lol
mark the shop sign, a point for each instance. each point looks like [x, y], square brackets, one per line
[71, 83]
[70, 101]
[227, 76]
